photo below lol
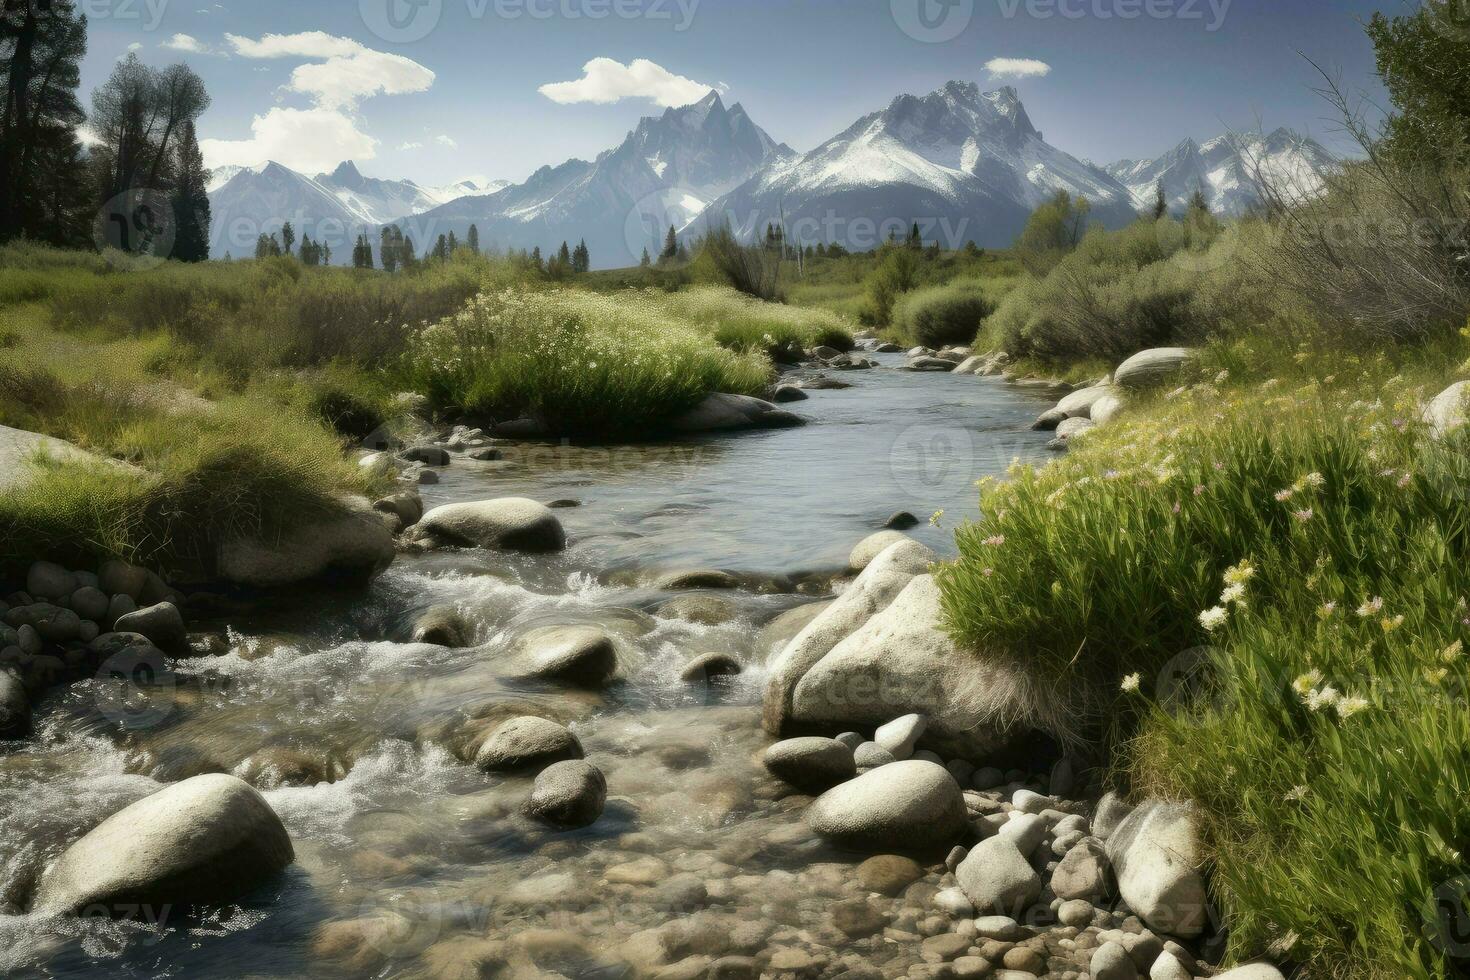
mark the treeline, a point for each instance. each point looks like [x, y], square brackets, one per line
[140, 187]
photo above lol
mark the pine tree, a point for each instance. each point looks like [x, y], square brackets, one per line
[191, 200]
[1198, 203]
[581, 258]
[452, 246]
[288, 237]
[474, 240]
[647, 259]
[671, 246]
[915, 239]
[44, 188]
[536, 258]
[1161, 202]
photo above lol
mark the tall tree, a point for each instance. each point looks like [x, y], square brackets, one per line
[1424, 61]
[473, 240]
[191, 201]
[390, 241]
[581, 258]
[42, 175]
[288, 237]
[671, 246]
[1161, 201]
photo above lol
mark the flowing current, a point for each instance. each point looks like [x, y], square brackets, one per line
[410, 861]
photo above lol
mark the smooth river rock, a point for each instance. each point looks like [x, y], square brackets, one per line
[584, 656]
[907, 806]
[568, 794]
[162, 624]
[871, 547]
[1153, 367]
[525, 743]
[1158, 856]
[724, 412]
[811, 763]
[15, 707]
[505, 524]
[997, 877]
[349, 546]
[204, 841]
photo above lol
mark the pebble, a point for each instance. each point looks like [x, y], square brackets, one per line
[888, 874]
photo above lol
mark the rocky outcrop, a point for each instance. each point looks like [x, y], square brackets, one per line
[727, 413]
[878, 585]
[504, 524]
[1154, 367]
[205, 841]
[349, 546]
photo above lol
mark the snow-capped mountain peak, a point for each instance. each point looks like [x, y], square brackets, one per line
[1227, 168]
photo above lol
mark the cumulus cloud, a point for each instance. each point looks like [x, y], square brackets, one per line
[1017, 68]
[185, 43]
[307, 140]
[339, 73]
[410, 146]
[342, 72]
[605, 81]
[446, 140]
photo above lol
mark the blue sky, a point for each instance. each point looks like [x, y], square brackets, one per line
[446, 89]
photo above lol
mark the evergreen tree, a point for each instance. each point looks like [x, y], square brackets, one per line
[647, 259]
[581, 258]
[191, 202]
[44, 192]
[1424, 60]
[288, 237]
[564, 255]
[915, 239]
[821, 250]
[267, 247]
[473, 240]
[1161, 202]
[452, 246]
[671, 246]
[536, 259]
[1198, 203]
[388, 248]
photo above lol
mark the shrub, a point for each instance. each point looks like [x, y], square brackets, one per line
[898, 272]
[943, 315]
[581, 363]
[746, 269]
[744, 324]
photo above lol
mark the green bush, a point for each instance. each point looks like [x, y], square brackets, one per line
[940, 316]
[899, 270]
[581, 363]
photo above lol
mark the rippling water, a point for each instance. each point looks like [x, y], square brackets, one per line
[411, 862]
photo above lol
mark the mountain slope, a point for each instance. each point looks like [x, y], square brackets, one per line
[963, 164]
[1226, 168]
[664, 173]
[334, 208]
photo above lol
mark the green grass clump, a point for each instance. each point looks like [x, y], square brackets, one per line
[940, 316]
[1265, 587]
[743, 324]
[582, 363]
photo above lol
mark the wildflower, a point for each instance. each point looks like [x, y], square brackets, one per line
[1239, 574]
[1452, 652]
[1327, 610]
[1323, 698]
[1405, 480]
[1371, 608]
[1305, 683]
[987, 572]
[1435, 674]
[1296, 794]
[995, 541]
[1199, 489]
[1177, 507]
[1213, 619]
[1314, 480]
[1347, 707]
[1389, 625]
[1233, 594]
[1222, 377]
[1303, 515]
[936, 517]
[1130, 683]
[1282, 496]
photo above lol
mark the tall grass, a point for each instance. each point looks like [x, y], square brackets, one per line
[580, 363]
[744, 324]
[1266, 582]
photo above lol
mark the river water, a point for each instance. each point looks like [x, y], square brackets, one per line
[409, 861]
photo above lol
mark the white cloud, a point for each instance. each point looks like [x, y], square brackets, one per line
[446, 140]
[136, 46]
[411, 146]
[185, 43]
[605, 81]
[306, 140]
[344, 71]
[1017, 68]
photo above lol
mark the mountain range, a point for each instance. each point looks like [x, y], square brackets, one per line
[966, 165]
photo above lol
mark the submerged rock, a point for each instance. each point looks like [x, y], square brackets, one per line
[584, 656]
[506, 524]
[15, 707]
[205, 841]
[698, 578]
[723, 412]
[906, 806]
[709, 667]
[527, 743]
[810, 763]
[706, 610]
[443, 626]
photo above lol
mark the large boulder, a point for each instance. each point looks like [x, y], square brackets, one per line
[162, 624]
[525, 743]
[996, 877]
[906, 806]
[506, 524]
[1106, 408]
[1159, 856]
[871, 547]
[1150, 368]
[1446, 411]
[205, 841]
[583, 656]
[1078, 405]
[723, 413]
[878, 585]
[902, 661]
[350, 545]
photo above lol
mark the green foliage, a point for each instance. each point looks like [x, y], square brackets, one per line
[939, 316]
[1153, 283]
[1052, 232]
[898, 272]
[1424, 61]
[743, 324]
[579, 362]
